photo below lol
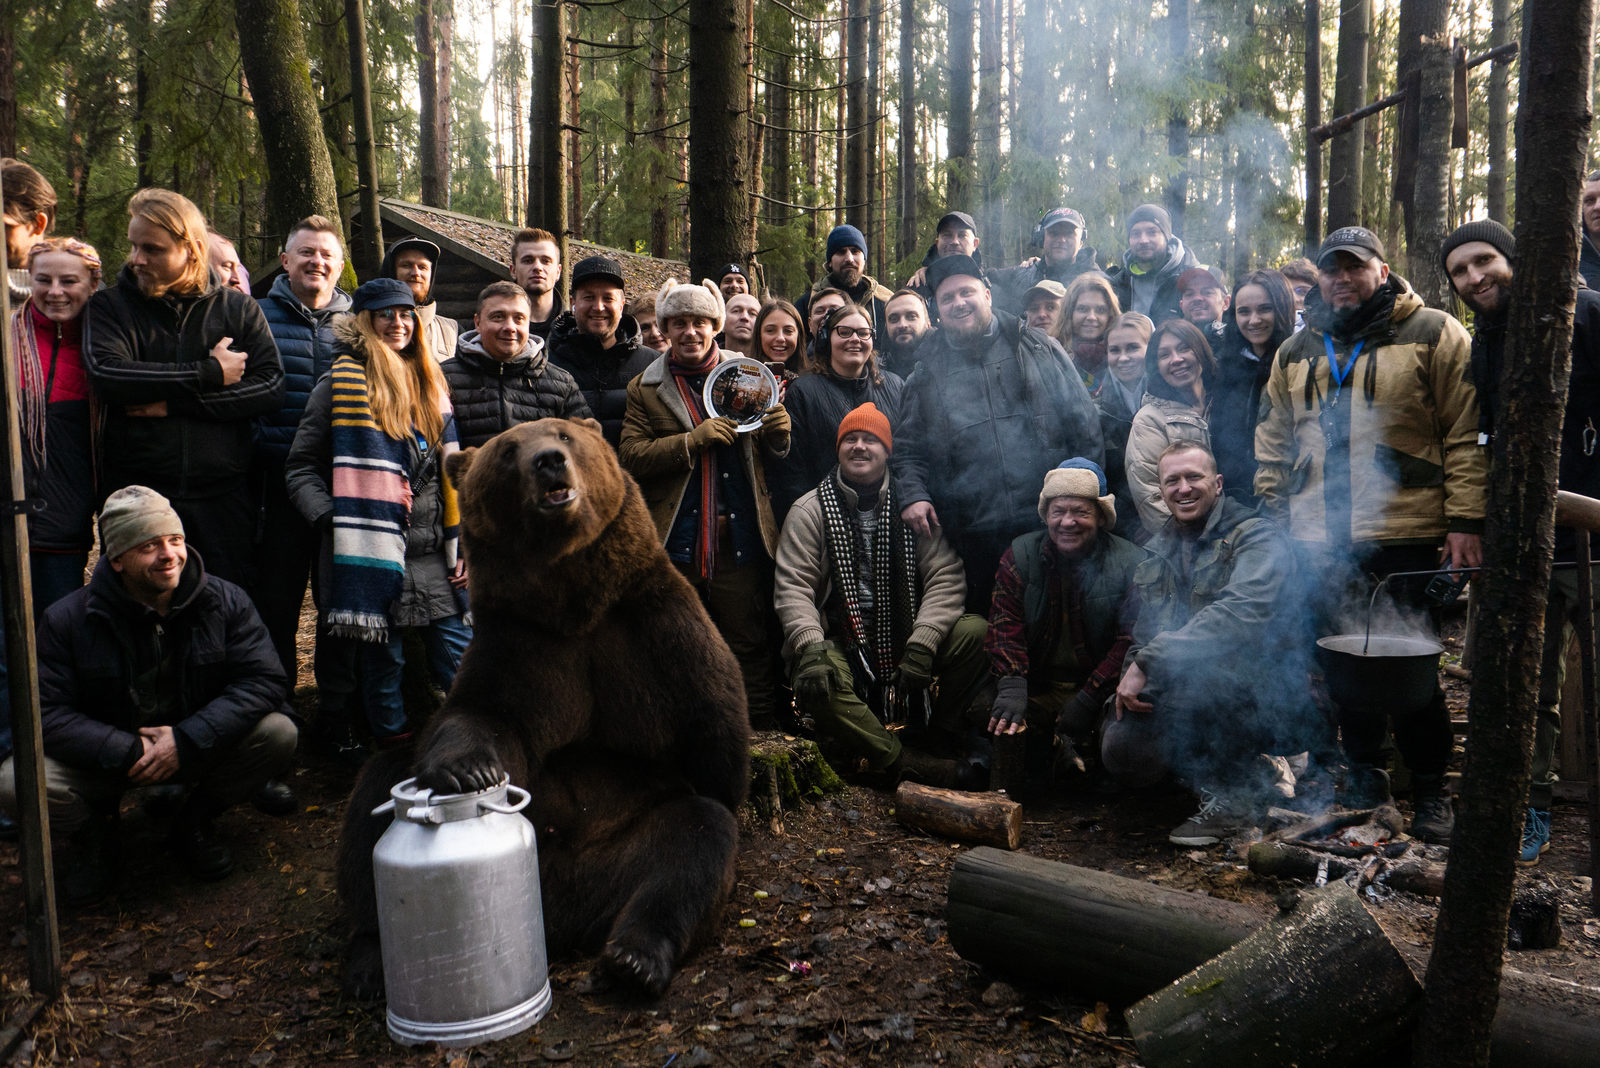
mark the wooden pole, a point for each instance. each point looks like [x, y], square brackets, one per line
[38, 887]
[1313, 219]
[1589, 720]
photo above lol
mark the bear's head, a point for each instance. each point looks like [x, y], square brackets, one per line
[538, 490]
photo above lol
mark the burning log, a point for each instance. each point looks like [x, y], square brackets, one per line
[1321, 985]
[988, 819]
[1085, 932]
[1284, 861]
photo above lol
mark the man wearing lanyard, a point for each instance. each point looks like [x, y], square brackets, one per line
[1368, 451]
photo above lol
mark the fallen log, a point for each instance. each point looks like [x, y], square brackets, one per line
[1544, 1022]
[1318, 987]
[1282, 860]
[987, 819]
[1086, 932]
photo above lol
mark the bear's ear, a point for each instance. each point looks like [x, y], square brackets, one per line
[592, 424]
[457, 464]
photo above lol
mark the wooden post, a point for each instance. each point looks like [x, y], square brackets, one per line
[38, 886]
[1588, 722]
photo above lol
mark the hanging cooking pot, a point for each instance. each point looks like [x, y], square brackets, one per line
[459, 916]
[1397, 673]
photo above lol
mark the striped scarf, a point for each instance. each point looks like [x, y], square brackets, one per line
[372, 489]
[705, 538]
[896, 591]
[34, 392]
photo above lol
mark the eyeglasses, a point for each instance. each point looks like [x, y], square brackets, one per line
[398, 311]
[848, 332]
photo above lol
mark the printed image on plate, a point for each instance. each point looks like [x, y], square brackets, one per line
[742, 389]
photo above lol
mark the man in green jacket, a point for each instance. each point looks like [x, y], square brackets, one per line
[1213, 679]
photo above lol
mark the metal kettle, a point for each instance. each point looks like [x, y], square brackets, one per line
[459, 916]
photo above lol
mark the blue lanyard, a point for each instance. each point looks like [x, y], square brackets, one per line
[1337, 373]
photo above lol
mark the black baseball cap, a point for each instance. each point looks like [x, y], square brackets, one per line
[1056, 216]
[1356, 240]
[959, 216]
[603, 268]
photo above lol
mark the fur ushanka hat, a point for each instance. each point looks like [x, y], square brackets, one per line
[681, 298]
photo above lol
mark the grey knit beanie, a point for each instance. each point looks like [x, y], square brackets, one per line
[1479, 230]
[132, 516]
[1151, 213]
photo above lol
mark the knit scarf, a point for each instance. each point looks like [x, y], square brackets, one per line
[705, 538]
[373, 485]
[896, 594]
[34, 399]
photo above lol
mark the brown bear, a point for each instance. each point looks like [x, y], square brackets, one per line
[597, 682]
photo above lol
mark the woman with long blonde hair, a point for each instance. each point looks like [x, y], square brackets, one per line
[367, 469]
[1087, 312]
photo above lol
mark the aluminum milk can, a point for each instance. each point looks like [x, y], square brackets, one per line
[459, 916]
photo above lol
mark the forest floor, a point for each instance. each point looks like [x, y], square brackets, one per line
[833, 951]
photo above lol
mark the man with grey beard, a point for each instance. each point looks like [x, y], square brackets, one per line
[991, 407]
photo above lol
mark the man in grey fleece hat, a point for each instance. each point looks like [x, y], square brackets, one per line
[154, 673]
[1147, 280]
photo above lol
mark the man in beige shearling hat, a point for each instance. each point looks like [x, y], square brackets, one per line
[153, 673]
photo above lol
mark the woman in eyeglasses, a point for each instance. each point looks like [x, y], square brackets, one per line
[844, 374]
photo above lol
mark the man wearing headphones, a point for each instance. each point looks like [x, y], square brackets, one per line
[1061, 238]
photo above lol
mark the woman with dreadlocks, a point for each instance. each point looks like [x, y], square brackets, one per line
[871, 616]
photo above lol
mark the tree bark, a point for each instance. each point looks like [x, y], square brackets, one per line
[906, 244]
[1553, 119]
[856, 196]
[428, 105]
[299, 170]
[1499, 112]
[1178, 59]
[1435, 117]
[987, 819]
[1313, 42]
[1349, 91]
[958, 151]
[547, 155]
[144, 144]
[658, 122]
[368, 246]
[444, 14]
[719, 129]
[987, 125]
[8, 82]
[574, 145]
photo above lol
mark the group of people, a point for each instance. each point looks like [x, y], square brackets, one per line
[1111, 509]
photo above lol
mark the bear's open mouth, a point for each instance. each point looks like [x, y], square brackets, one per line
[559, 496]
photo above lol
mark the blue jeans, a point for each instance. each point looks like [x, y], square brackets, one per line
[382, 666]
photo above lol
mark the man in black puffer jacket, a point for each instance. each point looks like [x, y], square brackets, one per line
[182, 366]
[501, 376]
[153, 673]
[597, 344]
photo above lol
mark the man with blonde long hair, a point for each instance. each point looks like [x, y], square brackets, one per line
[182, 366]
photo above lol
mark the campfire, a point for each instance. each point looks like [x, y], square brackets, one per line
[1367, 848]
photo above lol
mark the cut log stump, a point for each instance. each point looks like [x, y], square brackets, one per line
[1319, 986]
[786, 772]
[987, 819]
[1084, 932]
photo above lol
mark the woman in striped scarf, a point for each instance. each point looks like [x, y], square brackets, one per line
[367, 468]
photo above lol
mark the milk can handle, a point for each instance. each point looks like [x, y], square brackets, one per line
[517, 805]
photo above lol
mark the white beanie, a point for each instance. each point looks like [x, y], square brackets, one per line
[681, 298]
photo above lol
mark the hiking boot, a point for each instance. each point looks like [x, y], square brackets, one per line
[202, 851]
[1535, 837]
[1433, 818]
[275, 798]
[92, 869]
[1366, 786]
[1217, 820]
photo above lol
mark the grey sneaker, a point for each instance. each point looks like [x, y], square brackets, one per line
[1217, 820]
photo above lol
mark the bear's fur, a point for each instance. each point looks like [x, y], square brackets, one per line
[597, 682]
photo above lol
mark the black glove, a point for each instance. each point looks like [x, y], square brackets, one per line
[915, 671]
[1078, 716]
[814, 679]
[1010, 705]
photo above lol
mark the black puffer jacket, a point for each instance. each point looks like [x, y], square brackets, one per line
[139, 350]
[98, 648]
[816, 404]
[490, 396]
[1011, 284]
[602, 374]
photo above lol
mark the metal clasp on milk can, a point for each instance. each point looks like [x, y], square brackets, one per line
[459, 916]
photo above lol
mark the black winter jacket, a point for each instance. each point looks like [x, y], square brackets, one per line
[1589, 261]
[1164, 305]
[490, 396]
[980, 426]
[602, 374]
[1011, 284]
[305, 349]
[817, 404]
[98, 648]
[140, 349]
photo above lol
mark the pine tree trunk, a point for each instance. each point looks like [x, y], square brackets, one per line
[1313, 42]
[547, 162]
[663, 151]
[8, 83]
[272, 50]
[877, 232]
[958, 152]
[1178, 59]
[144, 144]
[444, 44]
[856, 195]
[1435, 116]
[906, 242]
[367, 252]
[428, 105]
[719, 127]
[781, 118]
[1499, 112]
[574, 145]
[1349, 88]
[1553, 118]
[987, 123]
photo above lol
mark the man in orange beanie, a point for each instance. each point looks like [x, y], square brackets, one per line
[872, 613]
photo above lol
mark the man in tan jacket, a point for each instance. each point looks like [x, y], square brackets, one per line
[1368, 448]
[871, 615]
